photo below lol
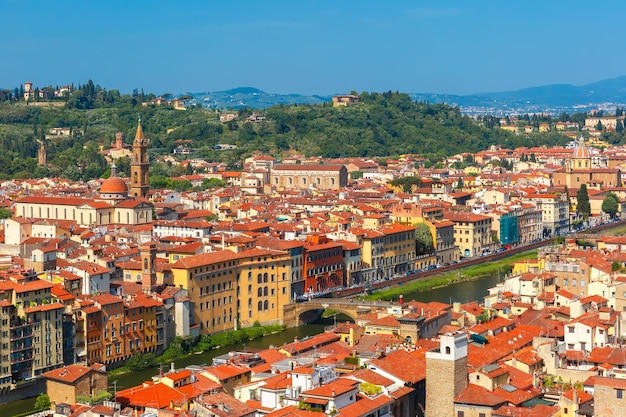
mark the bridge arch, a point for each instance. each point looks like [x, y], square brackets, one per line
[303, 312]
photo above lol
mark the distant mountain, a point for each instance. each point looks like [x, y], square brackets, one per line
[554, 99]
[250, 97]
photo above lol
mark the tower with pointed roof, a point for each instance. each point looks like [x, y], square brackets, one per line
[140, 166]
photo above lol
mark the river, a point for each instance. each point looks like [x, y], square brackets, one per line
[460, 291]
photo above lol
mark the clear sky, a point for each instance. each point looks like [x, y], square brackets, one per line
[311, 47]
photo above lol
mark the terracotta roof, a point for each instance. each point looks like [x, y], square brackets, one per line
[226, 371]
[113, 185]
[403, 366]
[477, 395]
[71, 373]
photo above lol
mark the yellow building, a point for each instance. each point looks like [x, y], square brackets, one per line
[211, 279]
[226, 286]
[264, 285]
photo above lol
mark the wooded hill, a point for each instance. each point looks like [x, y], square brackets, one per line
[381, 124]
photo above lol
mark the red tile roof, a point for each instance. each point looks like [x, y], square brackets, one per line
[403, 366]
[477, 395]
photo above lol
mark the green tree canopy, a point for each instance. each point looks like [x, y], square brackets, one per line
[355, 175]
[212, 183]
[423, 238]
[616, 266]
[610, 204]
[42, 402]
[407, 183]
[5, 213]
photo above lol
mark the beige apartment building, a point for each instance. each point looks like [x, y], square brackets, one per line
[554, 210]
[31, 329]
[472, 233]
[399, 249]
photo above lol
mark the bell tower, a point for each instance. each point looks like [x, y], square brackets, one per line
[148, 267]
[140, 166]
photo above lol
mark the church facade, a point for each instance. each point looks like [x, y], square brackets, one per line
[582, 169]
[113, 205]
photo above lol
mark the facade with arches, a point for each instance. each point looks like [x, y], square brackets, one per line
[86, 211]
[321, 177]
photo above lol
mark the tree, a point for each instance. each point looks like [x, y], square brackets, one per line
[355, 175]
[42, 402]
[582, 198]
[610, 204]
[615, 266]
[406, 183]
[423, 238]
[212, 183]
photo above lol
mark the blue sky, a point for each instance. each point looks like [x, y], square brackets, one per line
[311, 47]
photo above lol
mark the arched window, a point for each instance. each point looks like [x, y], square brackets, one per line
[265, 277]
[266, 305]
[265, 291]
[260, 306]
[260, 292]
[259, 279]
[447, 350]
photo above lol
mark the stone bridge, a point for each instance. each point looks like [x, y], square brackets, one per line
[297, 314]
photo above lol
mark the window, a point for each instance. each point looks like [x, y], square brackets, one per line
[460, 414]
[619, 393]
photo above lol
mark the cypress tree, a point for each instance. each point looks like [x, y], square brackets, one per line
[582, 197]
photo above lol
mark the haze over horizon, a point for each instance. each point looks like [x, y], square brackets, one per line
[324, 47]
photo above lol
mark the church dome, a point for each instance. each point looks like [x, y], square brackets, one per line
[114, 185]
[581, 152]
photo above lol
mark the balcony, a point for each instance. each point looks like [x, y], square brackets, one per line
[22, 324]
[21, 335]
[20, 348]
[23, 358]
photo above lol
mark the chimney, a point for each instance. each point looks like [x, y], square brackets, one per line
[172, 369]
[401, 299]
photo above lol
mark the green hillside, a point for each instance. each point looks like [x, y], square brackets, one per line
[381, 124]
